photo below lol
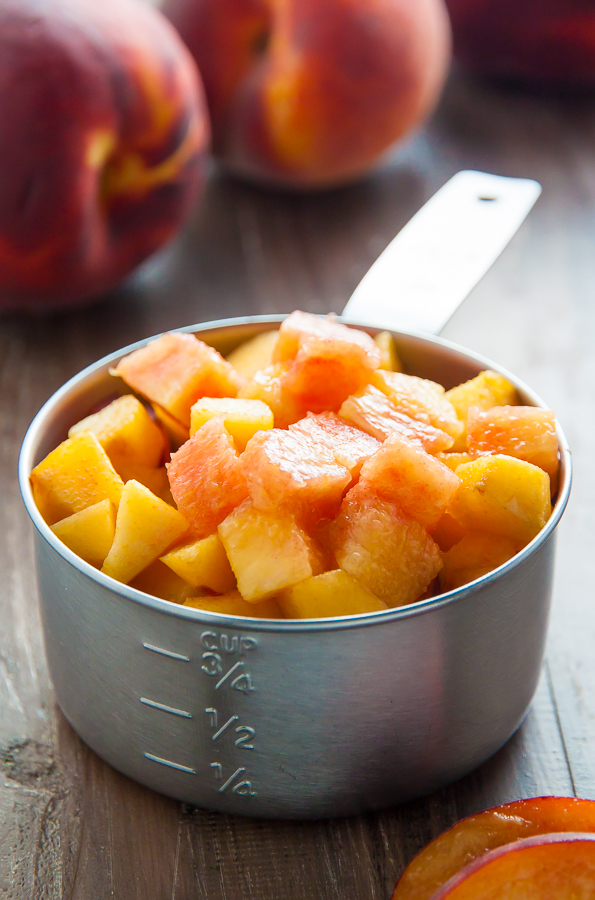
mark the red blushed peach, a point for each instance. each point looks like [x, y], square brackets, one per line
[104, 133]
[541, 42]
[473, 837]
[310, 93]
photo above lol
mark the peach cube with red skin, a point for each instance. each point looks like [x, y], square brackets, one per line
[373, 412]
[524, 432]
[350, 446]
[382, 547]
[291, 470]
[206, 477]
[330, 361]
[403, 472]
[175, 370]
[419, 398]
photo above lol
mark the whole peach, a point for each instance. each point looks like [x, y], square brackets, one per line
[103, 137]
[548, 42]
[311, 93]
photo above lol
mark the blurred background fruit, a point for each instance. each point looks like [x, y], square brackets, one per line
[102, 145]
[311, 93]
[550, 42]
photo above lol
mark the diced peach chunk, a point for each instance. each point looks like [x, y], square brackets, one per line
[75, 475]
[154, 479]
[484, 391]
[524, 432]
[267, 551]
[254, 355]
[389, 358]
[419, 398]
[175, 370]
[90, 532]
[326, 371]
[372, 411]
[177, 432]
[502, 495]
[447, 532]
[242, 418]
[233, 604]
[159, 581]
[268, 385]
[454, 460]
[300, 327]
[289, 470]
[126, 432]
[473, 556]
[202, 563]
[333, 593]
[145, 528]
[206, 477]
[403, 472]
[383, 548]
[350, 446]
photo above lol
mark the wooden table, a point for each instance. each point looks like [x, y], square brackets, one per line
[70, 826]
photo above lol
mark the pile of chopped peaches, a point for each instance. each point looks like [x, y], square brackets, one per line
[305, 476]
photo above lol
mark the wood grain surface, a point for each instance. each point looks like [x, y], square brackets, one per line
[70, 826]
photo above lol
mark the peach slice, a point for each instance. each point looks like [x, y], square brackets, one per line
[418, 483]
[90, 532]
[372, 411]
[267, 385]
[389, 358]
[206, 477]
[175, 370]
[202, 564]
[524, 432]
[486, 390]
[475, 555]
[476, 835]
[334, 593]
[545, 867]
[242, 418]
[157, 579]
[233, 604]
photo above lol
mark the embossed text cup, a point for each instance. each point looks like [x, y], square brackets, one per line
[290, 719]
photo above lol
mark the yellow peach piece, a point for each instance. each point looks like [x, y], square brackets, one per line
[177, 432]
[154, 479]
[484, 391]
[72, 477]
[476, 554]
[447, 532]
[159, 580]
[419, 398]
[242, 418]
[502, 495]
[233, 604]
[389, 358]
[90, 532]
[267, 552]
[268, 385]
[145, 528]
[454, 460]
[126, 432]
[333, 593]
[203, 564]
[254, 355]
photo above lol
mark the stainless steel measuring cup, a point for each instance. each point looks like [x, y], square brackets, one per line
[291, 719]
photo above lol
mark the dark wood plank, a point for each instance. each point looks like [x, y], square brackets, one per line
[72, 827]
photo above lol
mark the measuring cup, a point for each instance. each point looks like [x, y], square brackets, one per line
[309, 718]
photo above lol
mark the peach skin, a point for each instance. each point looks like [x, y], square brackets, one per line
[103, 139]
[312, 93]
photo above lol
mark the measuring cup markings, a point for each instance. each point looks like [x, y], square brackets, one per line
[216, 647]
